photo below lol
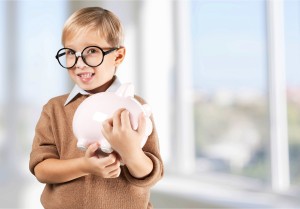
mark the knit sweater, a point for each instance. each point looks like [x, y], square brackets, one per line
[54, 138]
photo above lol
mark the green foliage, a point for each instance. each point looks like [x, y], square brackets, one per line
[213, 123]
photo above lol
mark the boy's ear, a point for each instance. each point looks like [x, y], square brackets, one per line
[120, 56]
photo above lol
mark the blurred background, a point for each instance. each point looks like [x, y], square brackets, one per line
[222, 78]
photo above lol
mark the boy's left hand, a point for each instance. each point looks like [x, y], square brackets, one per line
[119, 133]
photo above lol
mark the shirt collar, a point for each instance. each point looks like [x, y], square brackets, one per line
[77, 90]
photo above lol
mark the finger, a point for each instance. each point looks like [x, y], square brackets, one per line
[142, 124]
[109, 121]
[114, 169]
[90, 152]
[106, 127]
[113, 166]
[116, 117]
[109, 160]
[115, 173]
[125, 119]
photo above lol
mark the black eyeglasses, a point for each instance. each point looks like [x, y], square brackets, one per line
[92, 56]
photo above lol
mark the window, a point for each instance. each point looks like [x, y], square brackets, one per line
[237, 81]
[292, 42]
[2, 80]
[28, 72]
[230, 87]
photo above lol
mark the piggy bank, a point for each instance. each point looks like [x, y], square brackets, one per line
[98, 107]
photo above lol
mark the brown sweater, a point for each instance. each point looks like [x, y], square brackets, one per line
[54, 139]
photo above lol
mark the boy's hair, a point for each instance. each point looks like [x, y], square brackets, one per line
[104, 22]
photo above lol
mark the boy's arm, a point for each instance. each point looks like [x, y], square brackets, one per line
[45, 162]
[59, 171]
[140, 163]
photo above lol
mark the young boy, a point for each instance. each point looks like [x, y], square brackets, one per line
[93, 49]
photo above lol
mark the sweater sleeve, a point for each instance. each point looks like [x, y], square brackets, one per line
[43, 146]
[151, 149]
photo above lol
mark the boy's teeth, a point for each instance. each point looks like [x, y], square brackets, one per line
[86, 75]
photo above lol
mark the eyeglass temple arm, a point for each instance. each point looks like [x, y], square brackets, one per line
[59, 55]
[109, 51]
[77, 54]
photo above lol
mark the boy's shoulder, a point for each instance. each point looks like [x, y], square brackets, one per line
[58, 100]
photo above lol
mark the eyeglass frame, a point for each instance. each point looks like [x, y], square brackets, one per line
[80, 54]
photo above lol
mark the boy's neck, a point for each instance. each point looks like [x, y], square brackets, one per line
[103, 87]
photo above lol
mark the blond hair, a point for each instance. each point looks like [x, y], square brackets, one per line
[104, 22]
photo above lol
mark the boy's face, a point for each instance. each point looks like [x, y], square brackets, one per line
[93, 78]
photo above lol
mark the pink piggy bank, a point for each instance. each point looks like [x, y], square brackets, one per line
[98, 107]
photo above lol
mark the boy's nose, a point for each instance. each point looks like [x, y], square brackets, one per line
[80, 63]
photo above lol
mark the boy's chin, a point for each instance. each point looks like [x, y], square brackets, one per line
[87, 88]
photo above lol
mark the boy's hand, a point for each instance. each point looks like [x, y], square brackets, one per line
[119, 133]
[106, 167]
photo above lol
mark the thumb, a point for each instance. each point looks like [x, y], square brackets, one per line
[90, 152]
[142, 124]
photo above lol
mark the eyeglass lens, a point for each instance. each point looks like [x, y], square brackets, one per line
[92, 56]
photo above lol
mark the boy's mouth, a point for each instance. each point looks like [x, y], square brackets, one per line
[85, 77]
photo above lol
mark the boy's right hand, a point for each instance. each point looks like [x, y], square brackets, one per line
[106, 166]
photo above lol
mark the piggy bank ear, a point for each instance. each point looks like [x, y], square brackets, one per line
[125, 90]
[147, 110]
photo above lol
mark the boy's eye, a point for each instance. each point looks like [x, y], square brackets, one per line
[70, 52]
[92, 51]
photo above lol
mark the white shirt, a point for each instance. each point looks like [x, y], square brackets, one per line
[77, 90]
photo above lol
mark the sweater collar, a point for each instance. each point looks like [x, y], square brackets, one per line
[77, 90]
